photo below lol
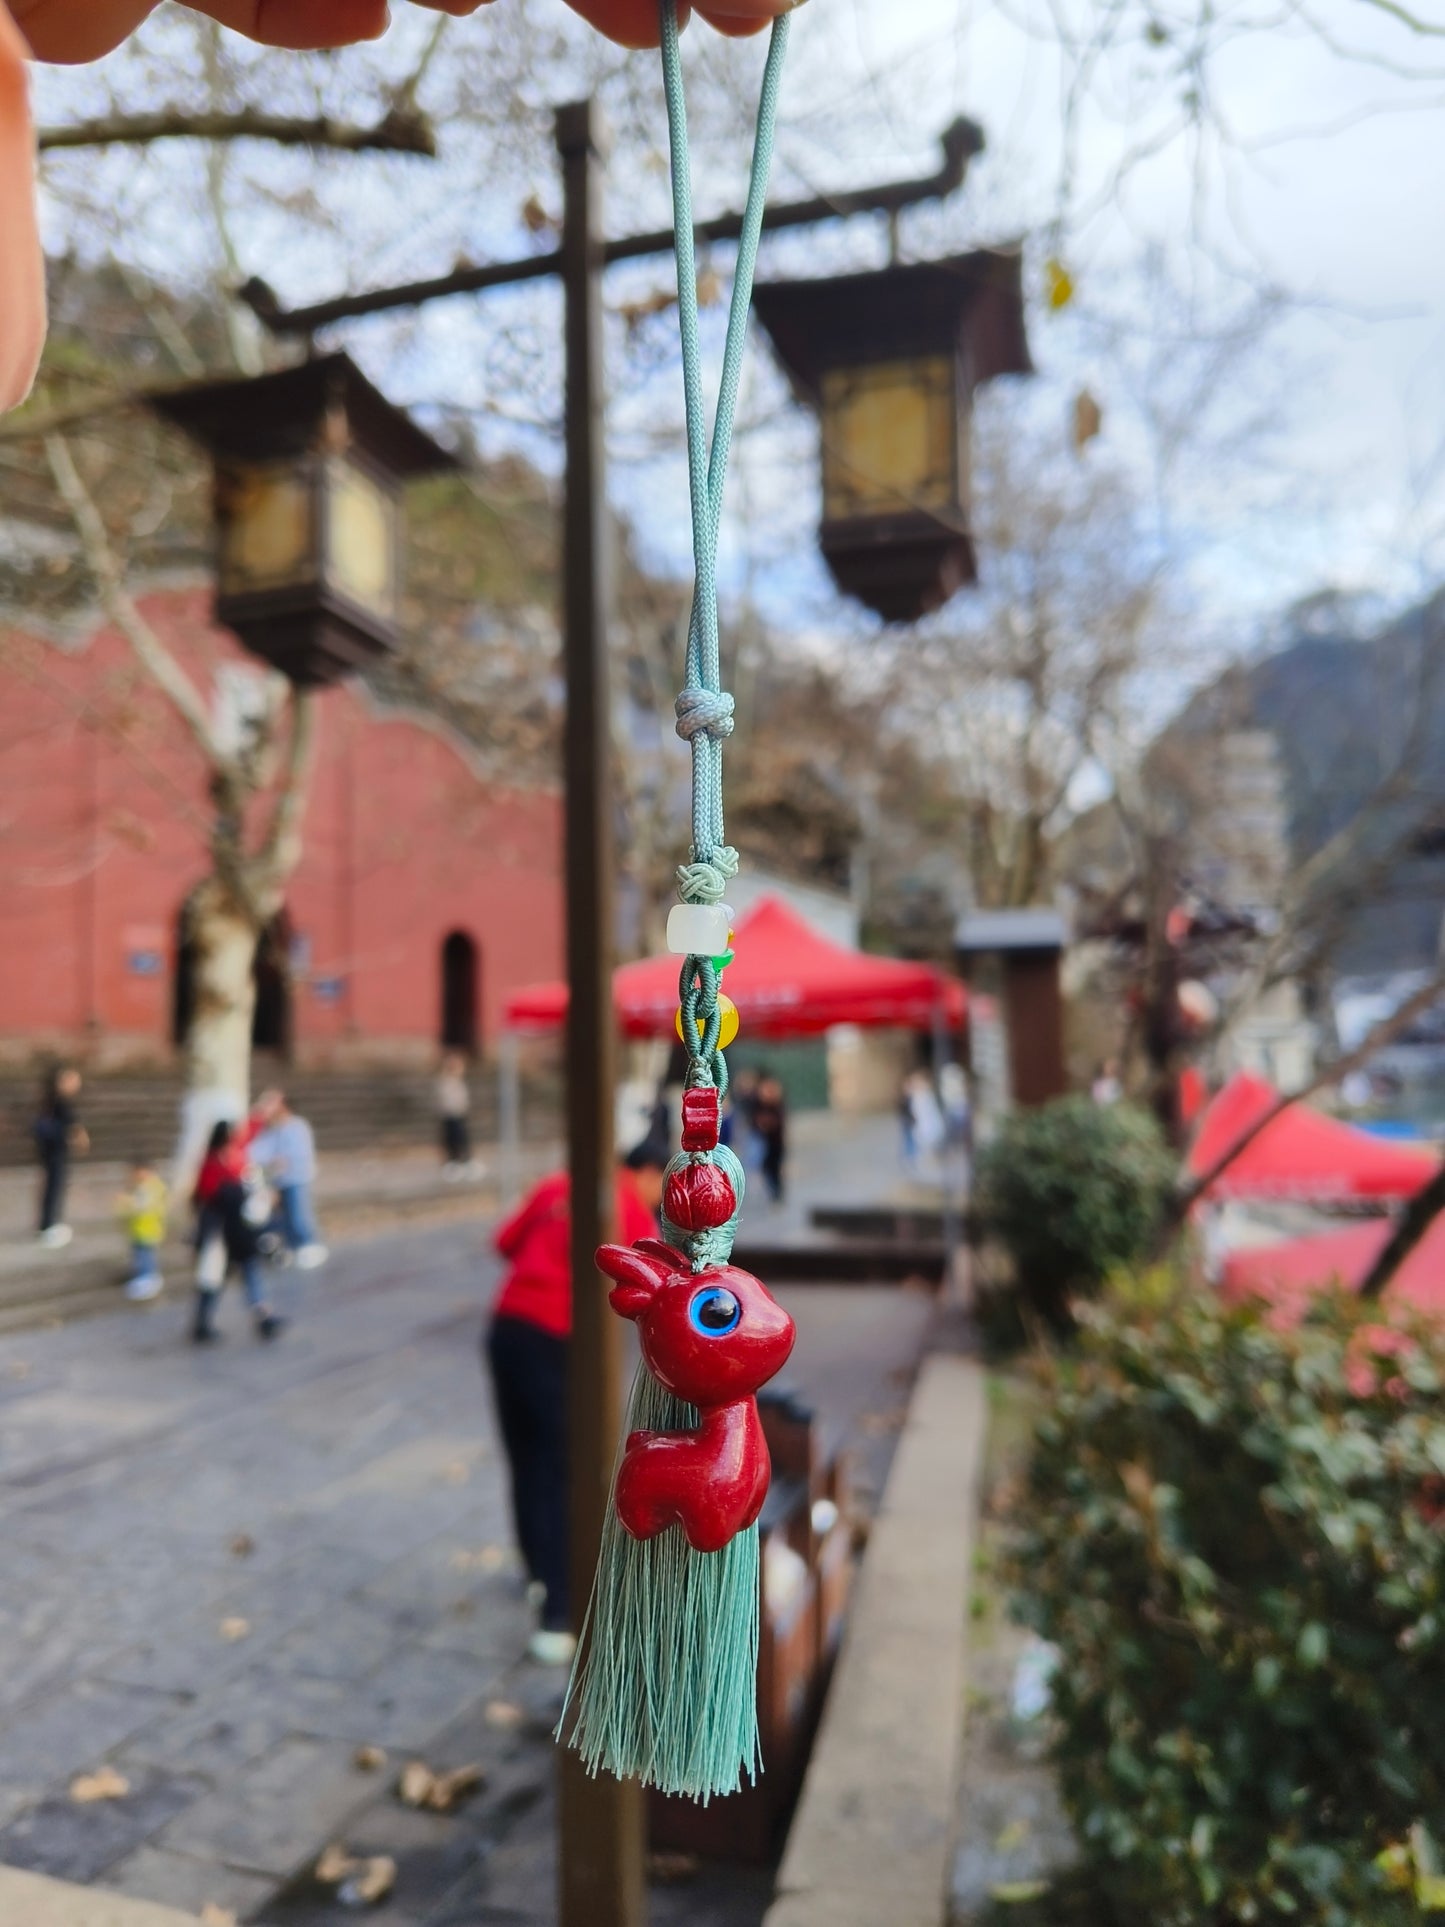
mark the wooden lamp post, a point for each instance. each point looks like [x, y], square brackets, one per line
[309, 466]
[889, 362]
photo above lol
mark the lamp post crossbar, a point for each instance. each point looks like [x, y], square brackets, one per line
[961, 142]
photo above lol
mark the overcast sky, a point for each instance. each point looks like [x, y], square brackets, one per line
[1320, 175]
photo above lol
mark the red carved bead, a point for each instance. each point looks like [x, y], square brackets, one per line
[701, 1121]
[699, 1198]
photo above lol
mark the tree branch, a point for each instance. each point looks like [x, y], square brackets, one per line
[1415, 1220]
[402, 131]
[119, 605]
[1428, 28]
[281, 851]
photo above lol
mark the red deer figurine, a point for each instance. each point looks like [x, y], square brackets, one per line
[712, 1339]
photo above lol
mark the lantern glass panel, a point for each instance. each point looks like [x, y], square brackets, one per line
[361, 538]
[890, 438]
[267, 527]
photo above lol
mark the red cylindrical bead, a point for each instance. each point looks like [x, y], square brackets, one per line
[700, 1120]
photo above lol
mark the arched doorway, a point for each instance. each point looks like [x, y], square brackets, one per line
[271, 1024]
[461, 994]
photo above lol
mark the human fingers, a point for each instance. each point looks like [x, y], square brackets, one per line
[300, 24]
[744, 16]
[22, 285]
[637, 23]
[71, 30]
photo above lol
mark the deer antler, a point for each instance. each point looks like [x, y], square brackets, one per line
[640, 1274]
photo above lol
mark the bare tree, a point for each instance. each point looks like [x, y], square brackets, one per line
[268, 763]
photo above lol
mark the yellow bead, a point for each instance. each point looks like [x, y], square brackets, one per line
[728, 1012]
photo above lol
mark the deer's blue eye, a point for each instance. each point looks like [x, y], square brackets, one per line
[715, 1312]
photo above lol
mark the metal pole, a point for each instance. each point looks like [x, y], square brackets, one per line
[602, 1828]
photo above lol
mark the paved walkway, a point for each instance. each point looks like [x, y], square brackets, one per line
[225, 1572]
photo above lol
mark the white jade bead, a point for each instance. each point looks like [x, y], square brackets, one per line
[699, 929]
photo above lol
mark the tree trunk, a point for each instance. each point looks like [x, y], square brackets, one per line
[222, 940]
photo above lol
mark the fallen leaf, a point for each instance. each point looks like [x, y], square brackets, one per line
[422, 1786]
[104, 1784]
[672, 1869]
[214, 1916]
[482, 1559]
[17, 1368]
[502, 1713]
[416, 1782]
[242, 1546]
[374, 1882]
[234, 1629]
[334, 1865]
[458, 1472]
[1014, 1835]
[877, 1424]
[448, 1788]
[1018, 1893]
[371, 1759]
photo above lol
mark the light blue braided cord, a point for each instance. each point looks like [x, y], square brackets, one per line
[704, 710]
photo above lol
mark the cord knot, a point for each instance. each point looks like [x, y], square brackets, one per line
[707, 880]
[705, 712]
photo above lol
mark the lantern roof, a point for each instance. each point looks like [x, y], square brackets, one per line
[269, 417]
[971, 302]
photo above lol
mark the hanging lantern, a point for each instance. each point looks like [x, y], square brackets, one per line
[889, 361]
[309, 465]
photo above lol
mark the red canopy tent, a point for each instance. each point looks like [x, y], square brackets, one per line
[788, 981]
[1288, 1273]
[1302, 1155]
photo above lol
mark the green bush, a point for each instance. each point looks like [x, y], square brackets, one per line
[1072, 1191]
[1235, 1535]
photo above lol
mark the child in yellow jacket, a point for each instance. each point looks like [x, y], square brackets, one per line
[142, 1210]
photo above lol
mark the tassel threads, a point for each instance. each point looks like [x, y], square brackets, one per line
[662, 1688]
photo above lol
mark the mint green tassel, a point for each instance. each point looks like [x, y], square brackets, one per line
[664, 1688]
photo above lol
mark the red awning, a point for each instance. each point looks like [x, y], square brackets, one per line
[788, 981]
[1288, 1273]
[1303, 1154]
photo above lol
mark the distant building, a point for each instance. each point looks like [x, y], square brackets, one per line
[426, 896]
[1238, 850]
[1239, 853]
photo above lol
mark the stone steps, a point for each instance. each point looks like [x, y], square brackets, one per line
[349, 1110]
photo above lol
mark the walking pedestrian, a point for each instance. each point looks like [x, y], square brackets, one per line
[232, 1211]
[770, 1127]
[454, 1111]
[1107, 1087]
[927, 1130]
[737, 1118]
[527, 1346]
[285, 1149]
[142, 1208]
[59, 1136]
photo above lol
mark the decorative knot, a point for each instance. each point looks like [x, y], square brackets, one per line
[703, 712]
[706, 880]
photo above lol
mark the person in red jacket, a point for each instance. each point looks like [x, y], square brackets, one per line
[229, 1232]
[527, 1346]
